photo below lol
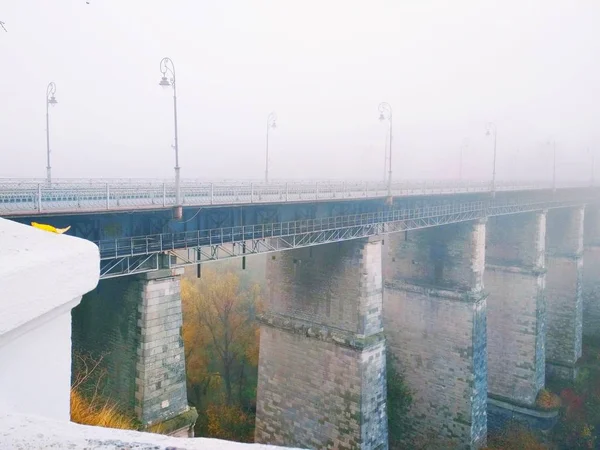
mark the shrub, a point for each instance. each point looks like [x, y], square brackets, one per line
[547, 400]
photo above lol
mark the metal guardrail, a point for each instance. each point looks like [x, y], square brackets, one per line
[142, 254]
[26, 197]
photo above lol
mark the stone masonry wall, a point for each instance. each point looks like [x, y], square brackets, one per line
[133, 324]
[160, 370]
[449, 256]
[435, 322]
[516, 311]
[316, 394]
[564, 262]
[104, 327]
[591, 292]
[591, 273]
[321, 378]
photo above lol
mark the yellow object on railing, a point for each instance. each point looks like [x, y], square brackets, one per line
[50, 228]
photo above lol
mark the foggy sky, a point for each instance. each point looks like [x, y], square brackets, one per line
[446, 67]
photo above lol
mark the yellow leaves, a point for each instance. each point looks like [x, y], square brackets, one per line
[50, 228]
[218, 327]
[229, 422]
[547, 400]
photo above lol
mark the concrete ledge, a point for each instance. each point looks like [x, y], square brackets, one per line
[178, 426]
[575, 256]
[562, 371]
[162, 273]
[499, 412]
[434, 291]
[320, 332]
[532, 271]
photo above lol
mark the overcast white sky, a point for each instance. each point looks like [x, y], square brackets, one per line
[446, 67]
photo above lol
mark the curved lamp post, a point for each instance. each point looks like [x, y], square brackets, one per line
[593, 162]
[492, 127]
[463, 147]
[50, 101]
[553, 144]
[385, 113]
[271, 123]
[167, 68]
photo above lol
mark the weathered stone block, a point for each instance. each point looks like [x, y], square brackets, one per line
[564, 289]
[321, 380]
[136, 323]
[515, 282]
[435, 321]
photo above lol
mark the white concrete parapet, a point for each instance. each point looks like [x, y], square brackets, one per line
[42, 277]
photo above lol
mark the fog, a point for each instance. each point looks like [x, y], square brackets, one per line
[446, 67]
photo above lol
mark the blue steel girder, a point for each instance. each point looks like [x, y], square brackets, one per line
[135, 255]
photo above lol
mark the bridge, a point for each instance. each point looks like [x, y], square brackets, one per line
[480, 293]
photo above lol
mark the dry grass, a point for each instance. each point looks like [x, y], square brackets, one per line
[92, 408]
[98, 413]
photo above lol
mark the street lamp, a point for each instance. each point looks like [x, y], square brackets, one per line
[593, 156]
[167, 68]
[460, 159]
[271, 123]
[492, 126]
[553, 144]
[50, 101]
[385, 113]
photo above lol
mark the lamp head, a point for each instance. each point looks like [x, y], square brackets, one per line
[164, 82]
[52, 101]
[381, 117]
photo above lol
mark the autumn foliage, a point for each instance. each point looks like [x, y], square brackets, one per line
[515, 437]
[221, 347]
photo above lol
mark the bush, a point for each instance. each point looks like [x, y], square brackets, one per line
[547, 400]
[515, 437]
[230, 423]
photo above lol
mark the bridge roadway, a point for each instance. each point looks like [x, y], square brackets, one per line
[36, 197]
[236, 219]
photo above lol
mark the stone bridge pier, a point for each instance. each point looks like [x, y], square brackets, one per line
[515, 277]
[591, 273]
[435, 322]
[564, 261]
[321, 374]
[133, 326]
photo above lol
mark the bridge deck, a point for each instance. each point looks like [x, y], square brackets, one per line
[27, 198]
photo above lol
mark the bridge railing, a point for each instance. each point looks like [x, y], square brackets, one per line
[26, 197]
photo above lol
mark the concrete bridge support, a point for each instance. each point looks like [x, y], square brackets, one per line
[564, 261]
[435, 322]
[515, 278]
[134, 324]
[321, 374]
[591, 273]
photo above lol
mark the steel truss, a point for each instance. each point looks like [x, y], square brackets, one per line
[127, 256]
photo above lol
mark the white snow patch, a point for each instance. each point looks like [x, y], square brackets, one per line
[40, 272]
[32, 433]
